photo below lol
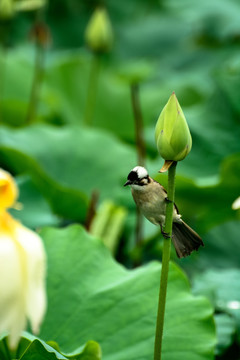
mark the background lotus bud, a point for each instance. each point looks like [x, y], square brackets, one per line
[99, 34]
[172, 133]
[6, 9]
[29, 5]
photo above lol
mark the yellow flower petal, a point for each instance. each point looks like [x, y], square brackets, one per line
[8, 190]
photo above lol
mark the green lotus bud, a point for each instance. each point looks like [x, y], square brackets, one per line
[99, 34]
[29, 5]
[6, 9]
[172, 133]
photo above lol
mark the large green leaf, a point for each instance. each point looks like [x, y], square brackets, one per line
[63, 98]
[34, 210]
[38, 349]
[90, 296]
[67, 97]
[222, 247]
[222, 287]
[213, 21]
[31, 348]
[80, 163]
[226, 329]
[67, 162]
[16, 66]
[228, 78]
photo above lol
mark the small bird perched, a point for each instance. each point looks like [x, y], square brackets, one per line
[151, 198]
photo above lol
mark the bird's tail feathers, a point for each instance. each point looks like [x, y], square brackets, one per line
[185, 239]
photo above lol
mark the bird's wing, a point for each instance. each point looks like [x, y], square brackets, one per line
[163, 188]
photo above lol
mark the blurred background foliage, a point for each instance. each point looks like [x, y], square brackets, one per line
[71, 171]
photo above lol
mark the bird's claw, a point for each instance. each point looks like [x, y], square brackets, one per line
[165, 234]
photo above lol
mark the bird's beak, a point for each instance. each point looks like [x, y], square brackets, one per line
[127, 183]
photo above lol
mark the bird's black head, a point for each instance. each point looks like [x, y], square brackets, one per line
[138, 176]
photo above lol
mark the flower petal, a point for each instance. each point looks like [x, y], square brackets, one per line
[35, 270]
[12, 299]
[8, 190]
[22, 265]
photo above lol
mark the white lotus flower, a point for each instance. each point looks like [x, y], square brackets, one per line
[22, 269]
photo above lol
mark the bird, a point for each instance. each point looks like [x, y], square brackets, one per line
[151, 198]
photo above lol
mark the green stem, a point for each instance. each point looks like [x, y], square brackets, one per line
[38, 68]
[91, 212]
[139, 227]
[165, 263]
[138, 120]
[92, 90]
[141, 150]
[36, 84]
[3, 67]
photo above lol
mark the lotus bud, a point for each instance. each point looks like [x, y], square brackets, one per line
[6, 9]
[172, 134]
[99, 34]
[29, 5]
